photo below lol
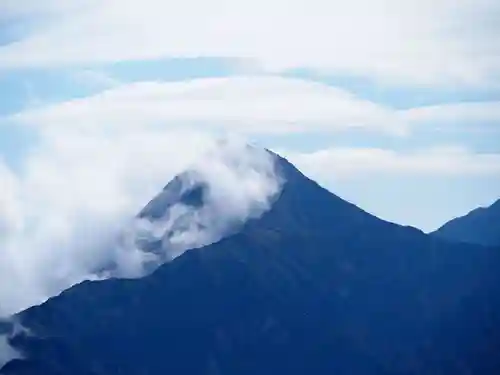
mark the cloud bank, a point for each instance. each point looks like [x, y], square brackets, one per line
[62, 214]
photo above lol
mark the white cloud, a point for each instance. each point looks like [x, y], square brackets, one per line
[245, 104]
[341, 163]
[63, 213]
[240, 182]
[475, 114]
[7, 353]
[254, 105]
[413, 41]
[9, 328]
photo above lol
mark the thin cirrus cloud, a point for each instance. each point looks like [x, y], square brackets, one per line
[412, 42]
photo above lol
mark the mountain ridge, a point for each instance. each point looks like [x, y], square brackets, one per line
[315, 284]
[479, 226]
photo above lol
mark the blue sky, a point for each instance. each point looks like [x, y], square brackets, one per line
[400, 115]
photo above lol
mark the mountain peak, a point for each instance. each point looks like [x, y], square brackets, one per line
[235, 185]
[213, 198]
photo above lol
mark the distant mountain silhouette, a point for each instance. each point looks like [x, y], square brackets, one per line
[480, 226]
[314, 286]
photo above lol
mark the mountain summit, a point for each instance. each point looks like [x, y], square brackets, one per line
[213, 198]
[310, 284]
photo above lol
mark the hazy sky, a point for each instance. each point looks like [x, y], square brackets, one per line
[393, 105]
